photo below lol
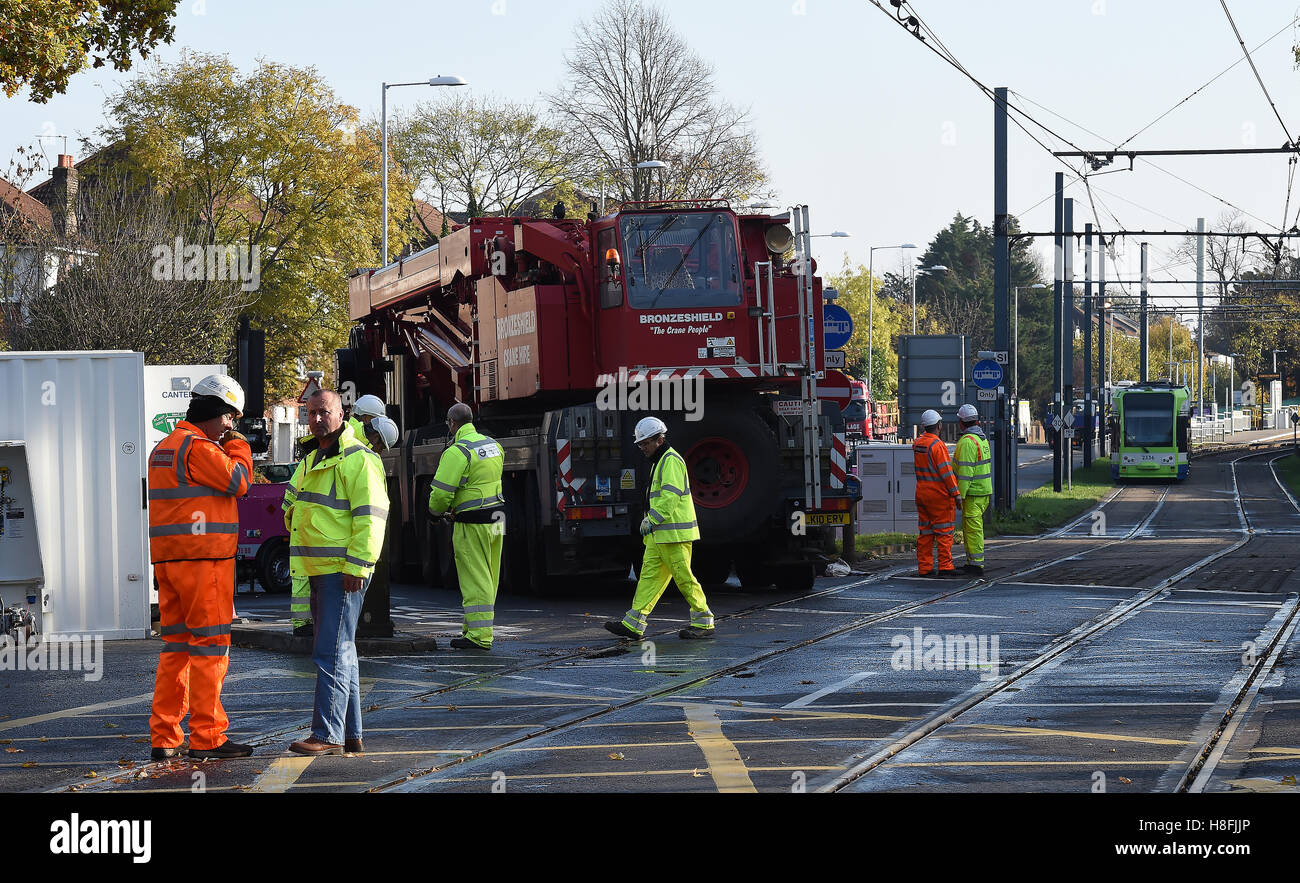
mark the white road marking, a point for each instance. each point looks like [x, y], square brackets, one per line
[805, 701]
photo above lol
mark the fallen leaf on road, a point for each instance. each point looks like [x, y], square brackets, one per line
[13, 751]
[1030, 719]
[29, 764]
[257, 772]
[617, 755]
[697, 774]
[91, 775]
[807, 682]
[738, 703]
[142, 741]
[44, 739]
[6, 741]
[373, 708]
[1288, 780]
[111, 726]
[775, 718]
[1125, 781]
[451, 708]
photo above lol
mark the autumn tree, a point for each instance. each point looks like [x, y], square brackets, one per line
[44, 42]
[635, 92]
[269, 160]
[482, 156]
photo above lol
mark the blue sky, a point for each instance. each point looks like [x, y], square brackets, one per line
[856, 118]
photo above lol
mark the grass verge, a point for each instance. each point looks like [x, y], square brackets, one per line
[1288, 469]
[1042, 509]
[870, 542]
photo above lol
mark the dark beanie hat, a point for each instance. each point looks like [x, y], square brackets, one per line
[206, 407]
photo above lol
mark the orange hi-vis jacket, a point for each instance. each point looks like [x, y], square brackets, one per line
[194, 488]
[935, 480]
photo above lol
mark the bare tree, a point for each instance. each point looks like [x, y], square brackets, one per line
[637, 92]
[1226, 257]
[484, 156]
[119, 287]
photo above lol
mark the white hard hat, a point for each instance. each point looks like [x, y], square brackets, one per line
[222, 387]
[368, 406]
[930, 417]
[968, 412]
[647, 428]
[387, 430]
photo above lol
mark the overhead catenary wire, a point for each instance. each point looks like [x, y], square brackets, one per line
[1208, 82]
[1289, 140]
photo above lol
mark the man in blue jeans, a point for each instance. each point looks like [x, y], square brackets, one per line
[336, 528]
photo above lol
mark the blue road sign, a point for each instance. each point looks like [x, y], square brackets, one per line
[837, 325]
[987, 374]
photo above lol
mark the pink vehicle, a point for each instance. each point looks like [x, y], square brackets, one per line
[263, 542]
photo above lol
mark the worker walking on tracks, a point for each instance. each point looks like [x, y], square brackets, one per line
[974, 462]
[669, 528]
[196, 476]
[937, 498]
[467, 485]
[336, 531]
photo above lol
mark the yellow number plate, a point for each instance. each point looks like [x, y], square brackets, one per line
[824, 518]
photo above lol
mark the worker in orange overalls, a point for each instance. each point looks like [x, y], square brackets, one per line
[196, 476]
[937, 498]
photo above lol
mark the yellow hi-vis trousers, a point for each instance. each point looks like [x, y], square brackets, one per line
[478, 567]
[972, 527]
[300, 602]
[664, 562]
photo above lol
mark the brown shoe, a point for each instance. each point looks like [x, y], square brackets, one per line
[314, 747]
[353, 746]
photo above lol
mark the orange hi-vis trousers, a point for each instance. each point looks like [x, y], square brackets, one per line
[936, 516]
[196, 604]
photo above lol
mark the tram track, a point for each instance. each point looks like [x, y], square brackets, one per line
[1210, 752]
[900, 610]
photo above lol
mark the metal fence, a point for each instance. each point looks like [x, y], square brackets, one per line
[1209, 430]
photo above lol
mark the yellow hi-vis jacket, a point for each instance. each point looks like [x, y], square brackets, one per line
[335, 509]
[671, 509]
[469, 474]
[359, 429]
[974, 462]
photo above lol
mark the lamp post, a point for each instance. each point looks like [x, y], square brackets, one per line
[647, 164]
[432, 81]
[914, 272]
[1275, 352]
[1015, 348]
[871, 313]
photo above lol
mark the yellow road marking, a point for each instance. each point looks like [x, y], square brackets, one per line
[1278, 752]
[1109, 762]
[614, 745]
[281, 774]
[1077, 734]
[791, 714]
[725, 764]
[617, 773]
[1262, 785]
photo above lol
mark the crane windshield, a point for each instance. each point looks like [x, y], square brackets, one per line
[682, 259]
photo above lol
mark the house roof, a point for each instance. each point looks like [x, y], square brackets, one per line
[31, 210]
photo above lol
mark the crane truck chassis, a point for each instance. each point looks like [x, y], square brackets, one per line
[562, 334]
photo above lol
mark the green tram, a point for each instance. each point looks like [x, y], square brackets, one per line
[1149, 430]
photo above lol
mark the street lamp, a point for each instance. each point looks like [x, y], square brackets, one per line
[432, 81]
[838, 234]
[1015, 347]
[871, 312]
[647, 164]
[940, 267]
[1275, 352]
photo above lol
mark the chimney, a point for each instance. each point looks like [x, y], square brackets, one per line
[63, 196]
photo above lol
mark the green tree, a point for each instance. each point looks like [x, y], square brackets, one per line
[274, 162]
[44, 42]
[856, 287]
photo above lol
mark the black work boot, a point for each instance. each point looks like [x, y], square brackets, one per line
[164, 753]
[223, 751]
[976, 569]
[691, 633]
[617, 627]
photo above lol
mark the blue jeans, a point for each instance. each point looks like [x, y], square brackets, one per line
[338, 678]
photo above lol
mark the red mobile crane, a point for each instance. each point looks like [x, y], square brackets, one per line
[560, 332]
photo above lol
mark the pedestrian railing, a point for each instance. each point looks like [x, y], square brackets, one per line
[1207, 430]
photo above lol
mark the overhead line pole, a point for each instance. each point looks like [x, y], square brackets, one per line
[1142, 336]
[1067, 339]
[1087, 346]
[1200, 316]
[1003, 444]
[1057, 276]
